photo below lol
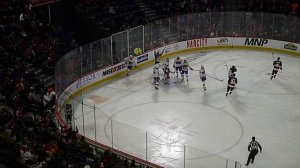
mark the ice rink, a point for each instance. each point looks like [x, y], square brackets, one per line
[132, 116]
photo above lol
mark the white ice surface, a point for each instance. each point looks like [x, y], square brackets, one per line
[206, 122]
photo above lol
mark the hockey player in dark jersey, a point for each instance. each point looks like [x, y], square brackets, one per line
[231, 71]
[232, 81]
[277, 64]
[157, 56]
[253, 149]
[166, 78]
[68, 114]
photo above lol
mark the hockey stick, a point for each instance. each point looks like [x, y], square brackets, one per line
[235, 66]
[220, 80]
[192, 69]
[162, 51]
[273, 56]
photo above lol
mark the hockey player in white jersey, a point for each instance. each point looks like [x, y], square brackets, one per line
[156, 75]
[177, 65]
[202, 76]
[166, 64]
[185, 69]
[277, 64]
[129, 62]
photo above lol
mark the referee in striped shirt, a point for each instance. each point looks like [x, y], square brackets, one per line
[253, 149]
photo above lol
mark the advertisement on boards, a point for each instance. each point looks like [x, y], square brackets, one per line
[197, 43]
[222, 41]
[86, 80]
[290, 46]
[114, 68]
[256, 42]
[142, 58]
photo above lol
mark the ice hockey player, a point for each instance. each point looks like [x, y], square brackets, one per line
[253, 149]
[157, 56]
[166, 78]
[231, 71]
[156, 75]
[277, 64]
[232, 81]
[185, 70]
[129, 63]
[177, 65]
[166, 64]
[202, 76]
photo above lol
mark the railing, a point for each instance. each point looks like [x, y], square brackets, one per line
[113, 49]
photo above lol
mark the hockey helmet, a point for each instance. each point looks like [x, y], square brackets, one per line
[202, 67]
[178, 58]
[278, 58]
[167, 59]
[185, 61]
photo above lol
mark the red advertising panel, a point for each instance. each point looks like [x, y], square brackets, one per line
[197, 43]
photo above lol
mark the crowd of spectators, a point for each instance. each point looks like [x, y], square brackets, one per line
[208, 17]
[111, 16]
[114, 16]
[180, 7]
[30, 136]
[273, 6]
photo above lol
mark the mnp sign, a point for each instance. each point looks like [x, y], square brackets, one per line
[256, 41]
